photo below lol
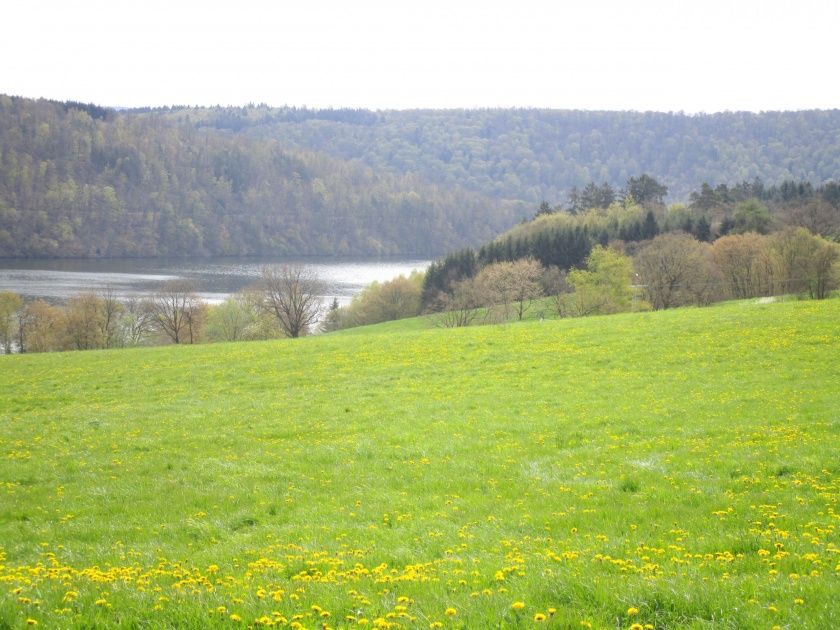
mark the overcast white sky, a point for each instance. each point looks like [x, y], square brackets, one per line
[707, 55]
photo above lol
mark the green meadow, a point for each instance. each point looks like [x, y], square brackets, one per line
[678, 469]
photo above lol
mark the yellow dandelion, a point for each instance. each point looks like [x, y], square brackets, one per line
[450, 612]
[235, 618]
[632, 611]
[539, 617]
[517, 605]
[552, 611]
[637, 626]
[31, 622]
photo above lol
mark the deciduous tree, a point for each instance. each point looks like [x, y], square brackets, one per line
[292, 294]
[10, 303]
[746, 264]
[676, 270]
[603, 287]
[179, 312]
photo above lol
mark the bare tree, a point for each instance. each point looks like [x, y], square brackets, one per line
[40, 327]
[460, 308]
[527, 274]
[746, 264]
[83, 323]
[178, 311]
[137, 322]
[110, 309]
[292, 295]
[818, 216]
[676, 270]
[806, 263]
[513, 285]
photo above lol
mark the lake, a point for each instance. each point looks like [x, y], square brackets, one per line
[214, 278]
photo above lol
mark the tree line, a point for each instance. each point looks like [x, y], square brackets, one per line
[670, 270]
[625, 235]
[285, 302]
[536, 154]
[83, 181]
[780, 239]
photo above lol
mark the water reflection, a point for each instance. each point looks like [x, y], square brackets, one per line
[214, 278]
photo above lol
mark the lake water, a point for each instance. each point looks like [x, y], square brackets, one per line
[214, 278]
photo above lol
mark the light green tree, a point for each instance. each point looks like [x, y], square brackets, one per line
[752, 216]
[603, 287]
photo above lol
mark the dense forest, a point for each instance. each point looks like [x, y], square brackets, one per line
[80, 180]
[85, 181]
[563, 238]
[532, 154]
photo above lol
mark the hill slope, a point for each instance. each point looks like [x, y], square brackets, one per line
[84, 181]
[676, 469]
[532, 154]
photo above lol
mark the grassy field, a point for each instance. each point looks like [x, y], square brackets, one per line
[654, 470]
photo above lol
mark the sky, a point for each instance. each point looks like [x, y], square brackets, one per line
[691, 56]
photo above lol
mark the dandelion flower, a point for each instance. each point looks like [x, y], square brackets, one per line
[539, 617]
[517, 605]
[632, 611]
[450, 612]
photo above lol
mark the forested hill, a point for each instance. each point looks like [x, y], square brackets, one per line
[86, 181]
[536, 155]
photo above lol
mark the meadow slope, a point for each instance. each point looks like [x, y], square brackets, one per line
[678, 469]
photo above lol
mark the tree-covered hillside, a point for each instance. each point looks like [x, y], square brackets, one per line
[531, 154]
[84, 181]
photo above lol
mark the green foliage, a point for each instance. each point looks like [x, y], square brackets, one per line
[536, 154]
[646, 190]
[680, 463]
[240, 318]
[752, 216]
[603, 287]
[386, 301]
[73, 184]
[442, 275]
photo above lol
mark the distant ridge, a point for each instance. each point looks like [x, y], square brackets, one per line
[81, 180]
